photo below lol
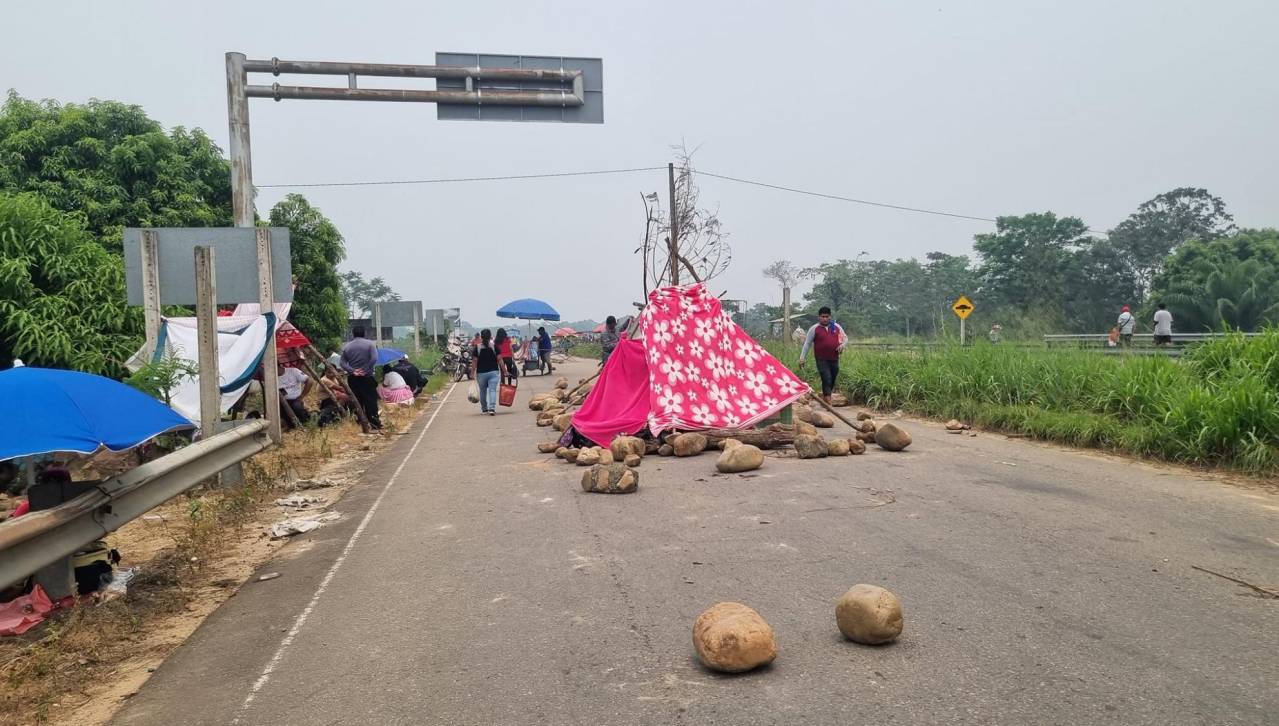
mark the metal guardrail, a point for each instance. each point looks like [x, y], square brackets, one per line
[1101, 338]
[41, 538]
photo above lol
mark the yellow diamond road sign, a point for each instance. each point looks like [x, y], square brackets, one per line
[963, 307]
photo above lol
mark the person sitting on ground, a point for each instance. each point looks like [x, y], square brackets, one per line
[408, 372]
[332, 409]
[395, 390]
[544, 346]
[608, 339]
[827, 339]
[294, 385]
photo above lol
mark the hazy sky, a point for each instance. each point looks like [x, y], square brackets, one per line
[1082, 108]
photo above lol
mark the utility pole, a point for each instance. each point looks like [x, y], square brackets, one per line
[786, 312]
[206, 323]
[672, 241]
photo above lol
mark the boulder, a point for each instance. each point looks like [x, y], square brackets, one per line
[606, 456]
[588, 457]
[561, 451]
[623, 446]
[666, 450]
[561, 395]
[838, 399]
[856, 447]
[956, 425]
[803, 427]
[838, 447]
[651, 446]
[862, 416]
[802, 413]
[869, 614]
[610, 479]
[733, 638]
[892, 437]
[689, 444]
[726, 444]
[633, 460]
[810, 447]
[739, 458]
[561, 382]
[822, 420]
[545, 420]
[570, 455]
[866, 427]
[866, 438]
[535, 403]
[562, 421]
[548, 447]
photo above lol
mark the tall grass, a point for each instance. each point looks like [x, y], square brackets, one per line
[1218, 405]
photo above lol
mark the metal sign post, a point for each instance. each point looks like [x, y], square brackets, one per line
[963, 307]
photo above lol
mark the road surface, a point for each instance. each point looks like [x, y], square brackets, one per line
[472, 582]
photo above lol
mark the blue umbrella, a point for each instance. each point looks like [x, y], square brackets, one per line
[528, 309]
[386, 355]
[48, 410]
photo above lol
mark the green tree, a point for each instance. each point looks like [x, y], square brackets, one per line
[1032, 263]
[316, 248]
[1232, 281]
[62, 296]
[359, 294]
[110, 163]
[1146, 238]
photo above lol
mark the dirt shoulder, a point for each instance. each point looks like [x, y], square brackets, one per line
[191, 555]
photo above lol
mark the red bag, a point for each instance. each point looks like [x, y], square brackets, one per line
[506, 394]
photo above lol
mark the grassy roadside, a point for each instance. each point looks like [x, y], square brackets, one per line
[1217, 406]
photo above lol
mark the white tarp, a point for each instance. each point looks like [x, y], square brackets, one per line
[241, 342]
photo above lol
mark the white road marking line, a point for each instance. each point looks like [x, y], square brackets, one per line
[337, 564]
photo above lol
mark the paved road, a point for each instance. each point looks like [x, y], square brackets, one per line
[1040, 586]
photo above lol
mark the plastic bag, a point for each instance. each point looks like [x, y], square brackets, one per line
[473, 392]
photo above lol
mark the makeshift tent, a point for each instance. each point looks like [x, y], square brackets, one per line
[696, 369]
[241, 343]
[564, 332]
[386, 355]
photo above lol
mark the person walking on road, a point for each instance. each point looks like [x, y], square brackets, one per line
[485, 366]
[359, 360]
[827, 339]
[1163, 326]
[1127, 326]
[544, 346]
[608, 339]
[502, 342]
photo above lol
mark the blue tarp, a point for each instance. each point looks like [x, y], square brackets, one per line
[528, 309]
[386, 355]
[47, 410]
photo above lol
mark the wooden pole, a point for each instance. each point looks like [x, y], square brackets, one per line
[206, 324]
[835, 413]
[672, 241]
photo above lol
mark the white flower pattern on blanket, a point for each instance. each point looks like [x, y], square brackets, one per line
[706, 372]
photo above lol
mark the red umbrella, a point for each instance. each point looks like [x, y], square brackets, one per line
[564, 332]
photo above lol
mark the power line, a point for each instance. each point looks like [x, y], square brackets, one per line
[453, 180]
[837, 197]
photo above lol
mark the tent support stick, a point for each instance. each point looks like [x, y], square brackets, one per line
[835, 413]
[355, 402]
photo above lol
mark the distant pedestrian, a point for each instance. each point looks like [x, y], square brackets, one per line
[359, 360]
[797, 335]
[1163, 326]
[608, 339]
[996, 333]
[827, 339]
[485, 367]
[1127, 326]
[503, 344]
[544, 346]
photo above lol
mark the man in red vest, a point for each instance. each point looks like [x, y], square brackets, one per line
[827, 340]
